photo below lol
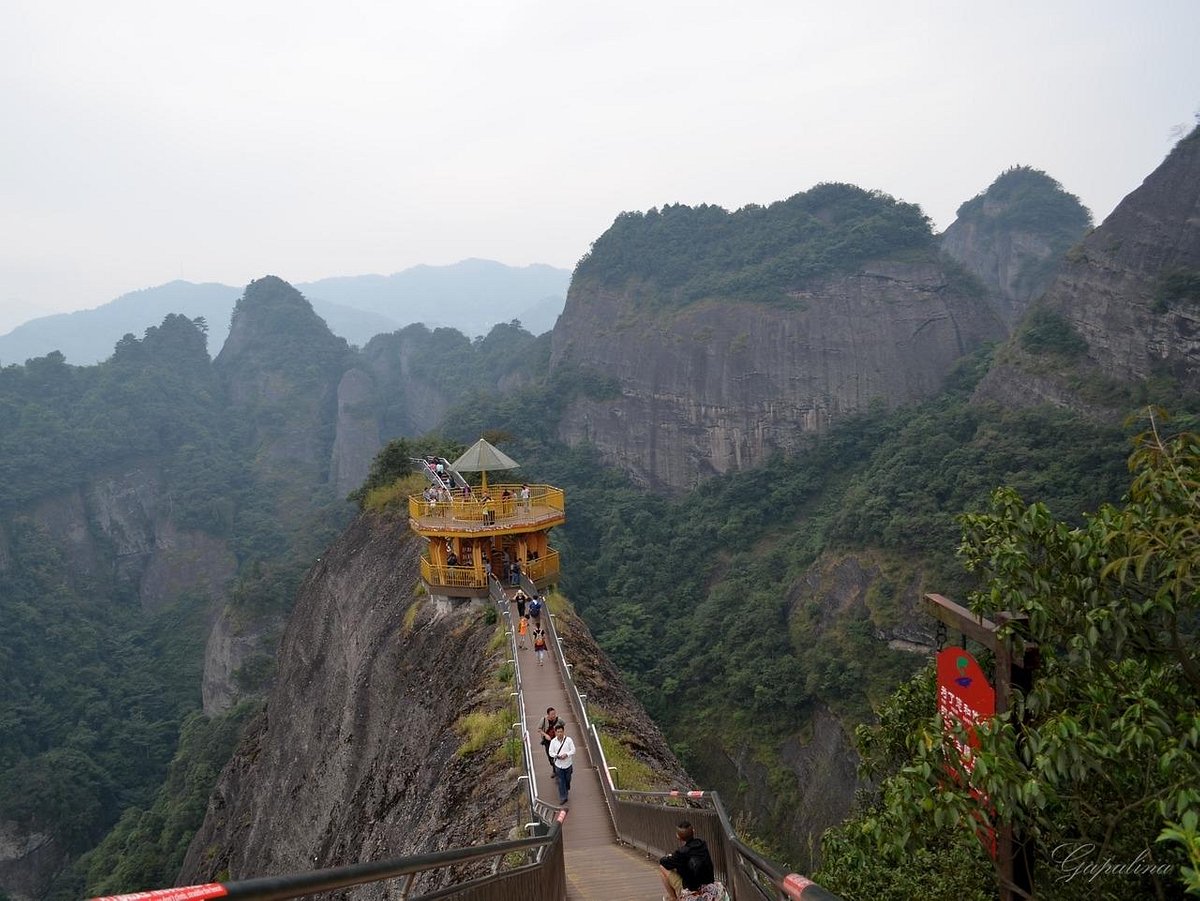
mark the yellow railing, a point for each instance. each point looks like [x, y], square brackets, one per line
[544, 500]
[543, 567]
[451, 576]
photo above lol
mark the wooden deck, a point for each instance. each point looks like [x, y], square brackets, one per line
[598, 866]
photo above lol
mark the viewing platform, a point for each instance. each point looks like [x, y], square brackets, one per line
[475, 531]
[472, 516]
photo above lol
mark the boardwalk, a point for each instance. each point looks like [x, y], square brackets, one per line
[598, 867]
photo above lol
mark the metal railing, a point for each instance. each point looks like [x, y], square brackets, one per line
[651, 826]
[500, 598]
[544, 568]
[543, 879]
[452, 576]
[546, 503]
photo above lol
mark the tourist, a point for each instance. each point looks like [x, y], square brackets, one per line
[562, 752]
[687, 873]
[546, 730]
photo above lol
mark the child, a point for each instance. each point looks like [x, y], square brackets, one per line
[539, 644]
[522, 629]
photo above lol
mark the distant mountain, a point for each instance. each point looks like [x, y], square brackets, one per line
[471, 296]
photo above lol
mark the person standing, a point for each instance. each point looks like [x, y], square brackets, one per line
[562, 752]
[687, 873]
[546, 728]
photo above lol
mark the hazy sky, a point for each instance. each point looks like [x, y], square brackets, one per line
[147, 140]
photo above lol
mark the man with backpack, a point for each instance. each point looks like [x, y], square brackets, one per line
[687, 873]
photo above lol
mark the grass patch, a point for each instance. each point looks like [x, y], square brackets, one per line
[499, 638]
[393, 497]
[631, 773]
[557, 603]
[481, 729]
[410, 616]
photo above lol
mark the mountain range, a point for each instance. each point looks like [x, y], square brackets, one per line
[471, 296]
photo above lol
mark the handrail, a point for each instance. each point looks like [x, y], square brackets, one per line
[500, 597]
[454, 576]
[590, 736]
[298, 885]
[546, 502]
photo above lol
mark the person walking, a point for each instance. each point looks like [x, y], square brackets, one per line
[546, 729]
[522, 631]
[562, 752]
[539, 643]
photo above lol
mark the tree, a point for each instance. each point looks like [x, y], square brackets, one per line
[1099, 763]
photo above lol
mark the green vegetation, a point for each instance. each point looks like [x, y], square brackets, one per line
[680, 254]
[1109, 759]
[97, 687]
[1045, 331]
[393, 474]
[630, 772]
[94, 695]
[1028, 199]
[1180, 285]
[147, 846]
[481, 729]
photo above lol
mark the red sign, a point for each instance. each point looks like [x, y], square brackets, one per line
[965, 697]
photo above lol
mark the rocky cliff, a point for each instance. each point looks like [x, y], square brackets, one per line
[1012, 236]
[1121, 322]
[359, 753]
[718, 386]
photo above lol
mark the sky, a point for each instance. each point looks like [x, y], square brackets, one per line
[144, 141]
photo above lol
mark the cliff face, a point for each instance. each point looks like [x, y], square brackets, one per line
[1130, 292]
[1012, 236]
[715, 387]
[357, 755]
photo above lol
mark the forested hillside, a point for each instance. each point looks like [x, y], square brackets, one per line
[681, 254]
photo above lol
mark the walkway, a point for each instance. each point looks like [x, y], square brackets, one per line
[598, 867]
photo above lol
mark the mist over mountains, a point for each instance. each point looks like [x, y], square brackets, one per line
[471, 296]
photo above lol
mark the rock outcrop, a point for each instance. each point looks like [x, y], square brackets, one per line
[1128, 301]
[280, 367]
[716, 387]
[1012, 236]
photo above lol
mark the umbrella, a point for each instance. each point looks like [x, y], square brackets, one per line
[482, 457]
